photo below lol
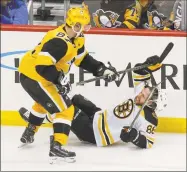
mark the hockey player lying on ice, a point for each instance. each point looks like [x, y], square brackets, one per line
[106, 127]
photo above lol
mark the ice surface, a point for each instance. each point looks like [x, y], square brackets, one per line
[168, 154]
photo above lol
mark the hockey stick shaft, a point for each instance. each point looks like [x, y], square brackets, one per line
[148, 98]
[119, 72]
[146, 103]
[162, 57]
[166, 51]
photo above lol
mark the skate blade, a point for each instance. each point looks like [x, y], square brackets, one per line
[59, 160]
[23, 145]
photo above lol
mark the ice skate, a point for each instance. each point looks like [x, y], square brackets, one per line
[58, 154]
[28, 135]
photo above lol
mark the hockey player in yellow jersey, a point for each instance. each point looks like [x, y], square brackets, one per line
[136, 14]
[106, 127]
[129, 14]
[132, 14]
[43, 76]
[143, 14]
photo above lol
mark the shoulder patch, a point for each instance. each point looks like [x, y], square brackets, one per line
[150, 116]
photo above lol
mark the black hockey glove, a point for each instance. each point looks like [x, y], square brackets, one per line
[128, 136]
[109, 71]
[63, 86]
[154, 61]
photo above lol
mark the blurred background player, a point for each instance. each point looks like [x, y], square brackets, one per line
[43, 76]
[131, 14]
[14, 12]
[106, 127]
[124, 14]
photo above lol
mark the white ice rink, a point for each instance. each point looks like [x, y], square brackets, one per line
[168, 154]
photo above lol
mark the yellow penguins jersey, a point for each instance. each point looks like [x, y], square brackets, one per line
[132, 16]
[122, 14]
[55, 49]
[108, 124]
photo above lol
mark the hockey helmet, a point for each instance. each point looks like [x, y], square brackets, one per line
[158, 100]
[79, 15]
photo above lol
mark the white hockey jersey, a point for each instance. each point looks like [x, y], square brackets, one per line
[107, 124]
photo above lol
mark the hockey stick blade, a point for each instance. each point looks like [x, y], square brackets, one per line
[166, 51]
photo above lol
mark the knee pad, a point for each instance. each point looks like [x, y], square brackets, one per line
[67, 114]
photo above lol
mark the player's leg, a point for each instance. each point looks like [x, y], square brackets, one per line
[82, 126]
[82, 122]
[62, 107]
[37, 114]
[48, 96]
[25, 113]
[85, 105]
[35, 119]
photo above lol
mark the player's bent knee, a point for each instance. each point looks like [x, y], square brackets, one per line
[38, 108]
[67, 114]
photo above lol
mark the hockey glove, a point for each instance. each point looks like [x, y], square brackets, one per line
[63, 85]
[109, 71]
[128, 135]
[154, 61]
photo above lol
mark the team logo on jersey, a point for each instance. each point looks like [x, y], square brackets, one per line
[106, 19]
[156, 20]
[124, 110]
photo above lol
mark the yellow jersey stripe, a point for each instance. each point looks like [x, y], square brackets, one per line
[107, 128]
[100, 131]
[151, 139]
[136, 76]
[149, 145]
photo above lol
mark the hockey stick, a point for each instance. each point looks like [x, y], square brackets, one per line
[166, 51]
[119, 72]
[145, 103]
[162, 57]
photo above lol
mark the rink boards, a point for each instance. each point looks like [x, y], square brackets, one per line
[123, 48]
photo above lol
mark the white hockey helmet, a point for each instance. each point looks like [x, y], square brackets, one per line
[158, 100]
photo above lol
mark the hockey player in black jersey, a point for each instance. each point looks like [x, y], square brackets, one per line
[106, 127]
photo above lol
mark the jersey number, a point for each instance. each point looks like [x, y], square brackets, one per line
[133, 11]
[150, 129]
